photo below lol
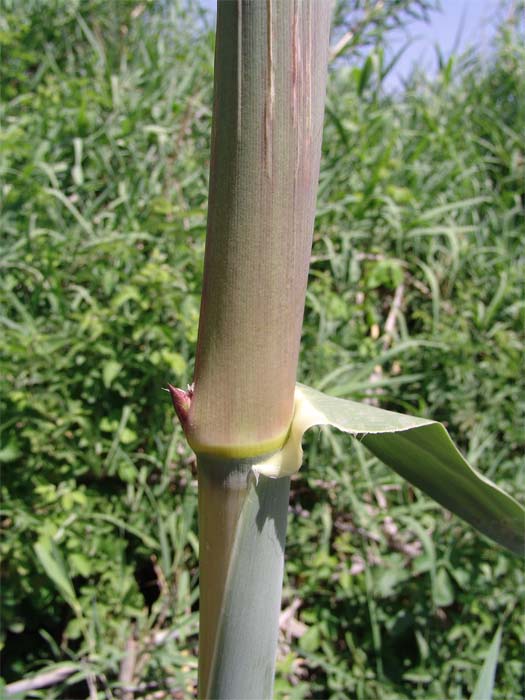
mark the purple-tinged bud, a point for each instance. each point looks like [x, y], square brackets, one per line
[181, 402]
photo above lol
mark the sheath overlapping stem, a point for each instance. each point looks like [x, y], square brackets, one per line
[270, 74]
[242, 530]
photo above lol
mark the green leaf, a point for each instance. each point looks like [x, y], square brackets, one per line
[175, 361]
[418, 449]
[124, 526]
[387, 273]
[81, 563]
[311, 639]
[10, 452]
[443, 590]
[110, 370]
[364, 75]
[485, 682]
[49, 556]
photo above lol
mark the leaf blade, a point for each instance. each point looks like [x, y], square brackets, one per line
[418, 449]
[450, 480]
[485, 683]
[54, 566]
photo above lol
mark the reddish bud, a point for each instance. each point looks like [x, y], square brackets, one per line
[181, 402]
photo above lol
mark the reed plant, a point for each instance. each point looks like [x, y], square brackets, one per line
[243, 415]
[413, 304]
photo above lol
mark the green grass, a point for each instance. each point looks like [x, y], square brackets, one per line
[106, 123]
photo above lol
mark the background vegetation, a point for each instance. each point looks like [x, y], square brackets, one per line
[415, 303]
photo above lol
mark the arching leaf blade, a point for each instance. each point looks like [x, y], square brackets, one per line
[427, 458]
[418, 449]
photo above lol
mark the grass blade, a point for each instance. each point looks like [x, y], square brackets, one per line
[53, 564]
[485, 682]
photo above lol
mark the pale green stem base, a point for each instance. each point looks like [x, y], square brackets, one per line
[242, 530]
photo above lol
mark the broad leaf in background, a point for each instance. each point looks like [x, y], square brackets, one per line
[418, 449]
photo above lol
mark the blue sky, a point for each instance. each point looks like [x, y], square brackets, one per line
[475, 19]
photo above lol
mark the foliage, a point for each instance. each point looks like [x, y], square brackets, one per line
[413, 304]
[361, 24]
